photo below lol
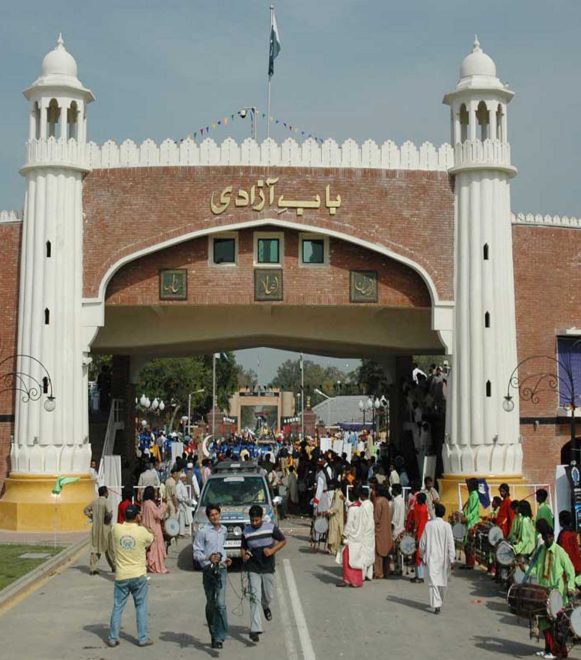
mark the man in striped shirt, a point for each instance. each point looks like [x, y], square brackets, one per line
[261, 540]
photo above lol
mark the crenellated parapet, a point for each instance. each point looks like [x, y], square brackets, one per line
[10, 216]
[289, 153]
[545, 220]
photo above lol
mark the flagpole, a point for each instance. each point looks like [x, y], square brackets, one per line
[269, 76]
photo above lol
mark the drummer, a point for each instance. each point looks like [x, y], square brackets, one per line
[472, 512]
[568, 541]
[551, 566]
[528, 537]
[505, 513]
[514, 534]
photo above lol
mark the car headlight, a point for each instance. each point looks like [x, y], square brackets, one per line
[237, 531]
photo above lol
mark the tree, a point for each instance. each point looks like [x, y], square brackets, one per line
[247, 377]
[173, 379]
[288, 378]
[372, 378]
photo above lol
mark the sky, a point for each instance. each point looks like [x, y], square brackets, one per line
[347, 69]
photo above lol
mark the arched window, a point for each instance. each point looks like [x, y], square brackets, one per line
[483, 120]
[46, 316]
[73, 121]
[53, 113]
[48, 249]
[36, 120]
[487, 320]
[485, 252]
[463, 123]
[499, 117]
[488, 389]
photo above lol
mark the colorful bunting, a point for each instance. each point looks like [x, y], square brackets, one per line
[236, 115]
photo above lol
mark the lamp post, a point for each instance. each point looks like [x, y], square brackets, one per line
[560, 379]
[327, 398]
[203, 389]
[252, 110]
[31, 388]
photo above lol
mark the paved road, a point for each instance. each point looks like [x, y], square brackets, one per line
[67, 618]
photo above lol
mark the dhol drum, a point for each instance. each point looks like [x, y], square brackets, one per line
[495, 536]
[575, 622]
[555, 603]
[482, 548]
[407, 544]
[528, 599]
[505, 555]
[459, 534]
[171, 527]
[320, 528]
[518, 577]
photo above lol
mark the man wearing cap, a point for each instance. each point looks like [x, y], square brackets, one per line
[130, 541]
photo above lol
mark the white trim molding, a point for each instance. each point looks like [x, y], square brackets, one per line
[545, 220]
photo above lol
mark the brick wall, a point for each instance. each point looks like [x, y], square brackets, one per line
[137, 283]
[126, 210]
[547, 263]
[10, 236]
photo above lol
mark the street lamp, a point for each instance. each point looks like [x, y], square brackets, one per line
[203, 389]
[559, 379]
[243, 112]
[31, 387]
[327, 398]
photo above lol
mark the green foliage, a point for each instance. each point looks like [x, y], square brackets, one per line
[98, 361]
[247, 378]
[372, 378]
[173, 379]
[329, 380]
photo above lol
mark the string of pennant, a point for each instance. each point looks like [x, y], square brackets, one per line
[224, 121]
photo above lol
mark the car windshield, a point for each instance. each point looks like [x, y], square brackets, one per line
[235, 491]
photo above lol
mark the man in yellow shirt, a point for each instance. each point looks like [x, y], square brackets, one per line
[130, 541]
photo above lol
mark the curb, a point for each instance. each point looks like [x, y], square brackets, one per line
[10, 594]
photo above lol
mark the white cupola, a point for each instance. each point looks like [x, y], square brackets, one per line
[58, 98]
[478, 104]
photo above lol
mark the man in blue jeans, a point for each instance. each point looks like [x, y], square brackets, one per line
[130, 541]
[210, 554]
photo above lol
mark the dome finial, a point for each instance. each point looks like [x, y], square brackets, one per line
[476, 44]
[60, 42]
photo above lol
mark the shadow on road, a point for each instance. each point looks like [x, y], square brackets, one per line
[101, 630]
[414, 604]
[184, 641]
[82, 568]
[503, 646]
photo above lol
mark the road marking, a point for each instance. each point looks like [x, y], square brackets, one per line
[304, 636]
[286, 621]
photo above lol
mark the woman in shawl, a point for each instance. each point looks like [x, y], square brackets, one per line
[152, 517]
[336, 522]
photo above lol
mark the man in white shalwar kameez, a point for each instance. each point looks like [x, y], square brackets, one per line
[321, 504]
[367, 535]
[184, 504]
[438, 553]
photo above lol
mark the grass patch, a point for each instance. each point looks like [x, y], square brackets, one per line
[12, 567]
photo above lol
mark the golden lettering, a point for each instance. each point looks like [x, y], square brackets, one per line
[224, 201]
[332, 205]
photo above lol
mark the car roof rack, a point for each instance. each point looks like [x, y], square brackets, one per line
[236, 466]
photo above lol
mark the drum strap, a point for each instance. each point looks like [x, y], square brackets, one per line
[534, 559]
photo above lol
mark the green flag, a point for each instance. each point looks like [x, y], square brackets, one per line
[274, 46]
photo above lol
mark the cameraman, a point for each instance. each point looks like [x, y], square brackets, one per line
[210, 554]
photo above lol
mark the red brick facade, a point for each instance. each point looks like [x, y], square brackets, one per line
[10, 237]
[547, 262]
[137, 283]
[409, 212]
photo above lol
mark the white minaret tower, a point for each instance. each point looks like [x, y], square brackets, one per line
[482, 438]
[51, 437]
